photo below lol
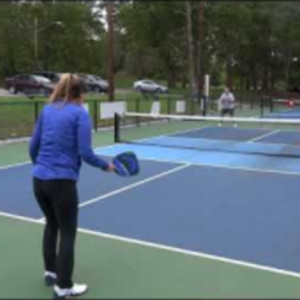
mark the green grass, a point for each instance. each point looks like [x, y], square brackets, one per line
[17, 116]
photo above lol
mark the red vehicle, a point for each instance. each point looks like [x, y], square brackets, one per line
[29, 84]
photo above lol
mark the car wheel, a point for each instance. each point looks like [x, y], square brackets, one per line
[157, 91]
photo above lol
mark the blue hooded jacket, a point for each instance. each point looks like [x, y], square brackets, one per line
[62, 138]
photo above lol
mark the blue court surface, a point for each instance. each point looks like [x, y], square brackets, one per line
[237, 206]
[285, 113]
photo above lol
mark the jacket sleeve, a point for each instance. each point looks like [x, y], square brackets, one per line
[84, 138]
[35, 141]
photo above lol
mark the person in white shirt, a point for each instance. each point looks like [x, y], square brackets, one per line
[227, 104]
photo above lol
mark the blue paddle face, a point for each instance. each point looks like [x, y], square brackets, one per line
[126, 164]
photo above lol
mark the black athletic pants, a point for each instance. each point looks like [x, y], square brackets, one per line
[59, 202]
[229, 111]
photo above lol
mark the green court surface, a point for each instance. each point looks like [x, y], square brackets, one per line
[119, 268]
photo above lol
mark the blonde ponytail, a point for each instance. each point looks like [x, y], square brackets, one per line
[69, 89]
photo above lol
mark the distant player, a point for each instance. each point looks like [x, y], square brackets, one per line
[227, 104]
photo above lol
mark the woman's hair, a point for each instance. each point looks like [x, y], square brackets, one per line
[69, 88]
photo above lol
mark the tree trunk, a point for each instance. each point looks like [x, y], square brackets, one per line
[171, 78]
[288, 62]
[190, 48]
[110, 48]
[200, 68]
[228, 74]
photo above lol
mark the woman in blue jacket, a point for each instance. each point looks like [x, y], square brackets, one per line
[60, 141]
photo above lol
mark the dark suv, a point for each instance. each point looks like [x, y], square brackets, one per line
[29, 84]
[94, 83]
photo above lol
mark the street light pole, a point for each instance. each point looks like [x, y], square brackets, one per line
[36, 30]
[36, 41]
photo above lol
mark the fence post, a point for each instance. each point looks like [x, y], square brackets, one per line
[116, 128]
[192, 105]
[251, 101]
[264, 97]
[95, 104]
[241, 99]
[36, 110]
[271, 104]
[137, 109]
[168, 104]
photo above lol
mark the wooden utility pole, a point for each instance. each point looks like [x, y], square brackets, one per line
[190, 48]
[200, 48]
[110, 48]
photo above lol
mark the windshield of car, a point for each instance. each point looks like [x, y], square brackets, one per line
[97, 77]
[90, 78]
[41, 79]
[148, 81]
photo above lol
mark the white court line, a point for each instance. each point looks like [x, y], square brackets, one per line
[115, 145]
[97, 148]
[263, 136]
[22, 218]
[274, 171]
[131, 186]
[14, 165]
[165, 248]
[137, 141]
[184, 162]
[29, 162]
[187, 130]
[246, 169]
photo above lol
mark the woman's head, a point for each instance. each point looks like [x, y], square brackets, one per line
[70, 88]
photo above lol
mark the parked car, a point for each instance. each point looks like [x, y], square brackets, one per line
[102, 83]
[149, 86]
[94, 83]
[29, 84]
[54, 77]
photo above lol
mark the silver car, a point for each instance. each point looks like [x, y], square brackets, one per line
[149, 86]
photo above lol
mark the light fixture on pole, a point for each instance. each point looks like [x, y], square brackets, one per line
[36, 32]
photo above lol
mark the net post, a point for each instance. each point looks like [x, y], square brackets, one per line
[116, 128]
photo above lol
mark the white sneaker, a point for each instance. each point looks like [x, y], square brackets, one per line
[75, 290]
[234, 125]
[220, 124]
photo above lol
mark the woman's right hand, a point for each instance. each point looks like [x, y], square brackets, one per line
[111, 167]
